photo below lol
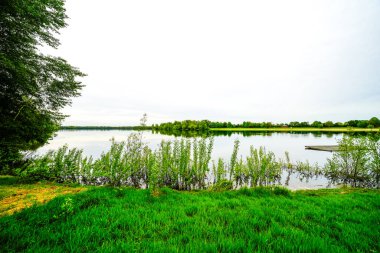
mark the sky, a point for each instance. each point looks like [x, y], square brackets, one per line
[277, 61]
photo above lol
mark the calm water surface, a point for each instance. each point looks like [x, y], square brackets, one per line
[94, 142]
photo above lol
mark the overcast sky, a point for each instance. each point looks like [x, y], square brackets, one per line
[235, 61]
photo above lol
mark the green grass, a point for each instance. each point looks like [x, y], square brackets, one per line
[124, 220]
[300, 129]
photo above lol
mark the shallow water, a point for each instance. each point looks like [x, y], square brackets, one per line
[94, 142]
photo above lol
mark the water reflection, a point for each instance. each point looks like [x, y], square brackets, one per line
[187, 134]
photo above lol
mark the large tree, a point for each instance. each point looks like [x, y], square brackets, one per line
[374, 122]
[33, 87]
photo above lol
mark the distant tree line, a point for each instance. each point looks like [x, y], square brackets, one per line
[186, 125]
[105, 128]
[202, 125]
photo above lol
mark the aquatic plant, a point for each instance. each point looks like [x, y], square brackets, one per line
[349, 165]
[263, 167]
[219, 171]
[185, 164]
[233, 159]
[373, 145]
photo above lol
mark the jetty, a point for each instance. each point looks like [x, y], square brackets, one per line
[329, 148]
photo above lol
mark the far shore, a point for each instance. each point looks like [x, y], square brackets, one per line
[272, 129]
[299, 129]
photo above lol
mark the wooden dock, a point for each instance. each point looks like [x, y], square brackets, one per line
[329, 148]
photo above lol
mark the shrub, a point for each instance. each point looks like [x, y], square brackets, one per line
[349, 165]
[223, 185]
[37, 169]
[281, 191]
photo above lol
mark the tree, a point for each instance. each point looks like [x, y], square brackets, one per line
[143, 121]
[33, 86]
[338, 124]
[328, 124]
[374, 122]
[362, 123]
[317, 124]
[352, 123]
[294, 124]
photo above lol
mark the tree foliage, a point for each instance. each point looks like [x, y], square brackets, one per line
[374, 122]
[33, 86]
[357, 163]
[204, 125]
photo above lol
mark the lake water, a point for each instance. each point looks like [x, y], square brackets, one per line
[94, 142]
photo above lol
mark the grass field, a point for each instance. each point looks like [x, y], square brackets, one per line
[272, 220]
[300, 129]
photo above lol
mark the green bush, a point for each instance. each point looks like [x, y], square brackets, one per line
[222, 185]
[281, 191]
[38, 169]
[356, 163]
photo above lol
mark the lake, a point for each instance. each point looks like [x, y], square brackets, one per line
[94, 142]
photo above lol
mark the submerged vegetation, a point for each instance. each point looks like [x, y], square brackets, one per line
[185, 164]
[247, 220]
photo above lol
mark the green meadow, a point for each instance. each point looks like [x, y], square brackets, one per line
[108, 219]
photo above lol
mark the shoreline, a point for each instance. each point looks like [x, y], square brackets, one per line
[298, 129]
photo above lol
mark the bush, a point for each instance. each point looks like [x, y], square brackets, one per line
[222, 185]
[10, 159]
[38, 169]
[281, 191]
[354, 163]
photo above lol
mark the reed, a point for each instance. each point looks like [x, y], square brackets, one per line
[186, 164]
[219, 171]
[233, 159]
[113, 164]
[263, 167]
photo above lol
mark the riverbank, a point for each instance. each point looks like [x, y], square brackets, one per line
[246, 220]
[299, 129]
